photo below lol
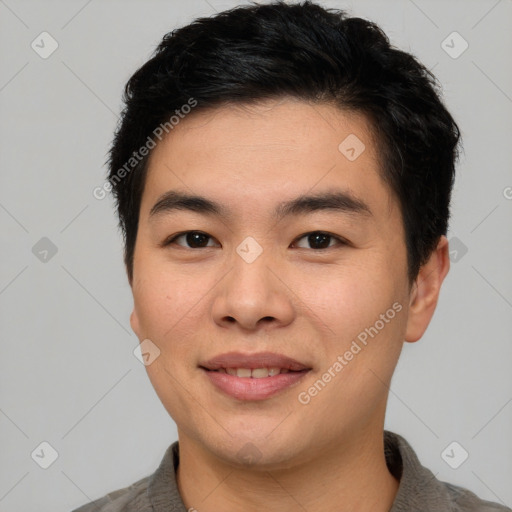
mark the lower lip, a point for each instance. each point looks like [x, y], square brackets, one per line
[249, 388]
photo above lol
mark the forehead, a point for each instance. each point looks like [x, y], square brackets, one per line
[247, 156]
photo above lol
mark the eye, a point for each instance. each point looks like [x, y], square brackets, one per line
[318, 240]
[192, 240]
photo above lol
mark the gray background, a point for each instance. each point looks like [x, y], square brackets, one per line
[68, 375]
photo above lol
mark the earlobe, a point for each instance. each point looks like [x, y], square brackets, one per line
[426, 289]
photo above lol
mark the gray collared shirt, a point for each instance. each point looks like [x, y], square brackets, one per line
[419, 490]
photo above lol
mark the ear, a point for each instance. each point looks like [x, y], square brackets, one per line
[425, 291]
[134, 322]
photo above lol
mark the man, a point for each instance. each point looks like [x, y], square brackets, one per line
[283, 179]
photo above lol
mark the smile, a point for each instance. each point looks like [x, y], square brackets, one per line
[255, 373]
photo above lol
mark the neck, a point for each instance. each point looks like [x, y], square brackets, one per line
[351, 476]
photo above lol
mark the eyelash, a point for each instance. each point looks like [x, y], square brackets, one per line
[340, 241]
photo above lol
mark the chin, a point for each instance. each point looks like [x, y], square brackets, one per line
[257, 452]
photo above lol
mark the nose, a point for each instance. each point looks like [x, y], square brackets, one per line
[252, 296]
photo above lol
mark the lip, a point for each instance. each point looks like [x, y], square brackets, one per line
[252, 361]
[248, 388]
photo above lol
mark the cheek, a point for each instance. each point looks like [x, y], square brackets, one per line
[168, 304]
[169, 307]
[362, 317]
[345, 300]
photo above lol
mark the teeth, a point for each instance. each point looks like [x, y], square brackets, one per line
[259, 373]
[256, 373]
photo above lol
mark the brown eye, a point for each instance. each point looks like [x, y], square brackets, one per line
[318, 240]
[192, 240]
[196, 239]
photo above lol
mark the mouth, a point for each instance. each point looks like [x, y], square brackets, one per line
[253, 376]
[259, 361]
[254, 373]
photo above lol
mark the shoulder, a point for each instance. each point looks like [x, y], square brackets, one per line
[128, 499]
[156, 490]
[419, 489]
[465, 501]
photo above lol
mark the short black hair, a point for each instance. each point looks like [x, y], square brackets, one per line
[304, 51]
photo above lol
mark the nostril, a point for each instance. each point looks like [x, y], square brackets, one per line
[263, 320]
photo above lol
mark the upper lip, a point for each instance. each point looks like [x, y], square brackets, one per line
[252, 361]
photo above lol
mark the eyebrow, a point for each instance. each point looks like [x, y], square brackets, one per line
[173, 200]
[340, 201]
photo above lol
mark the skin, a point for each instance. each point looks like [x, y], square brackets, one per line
[306, 303]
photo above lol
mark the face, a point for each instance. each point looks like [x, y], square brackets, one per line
[262, 233]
